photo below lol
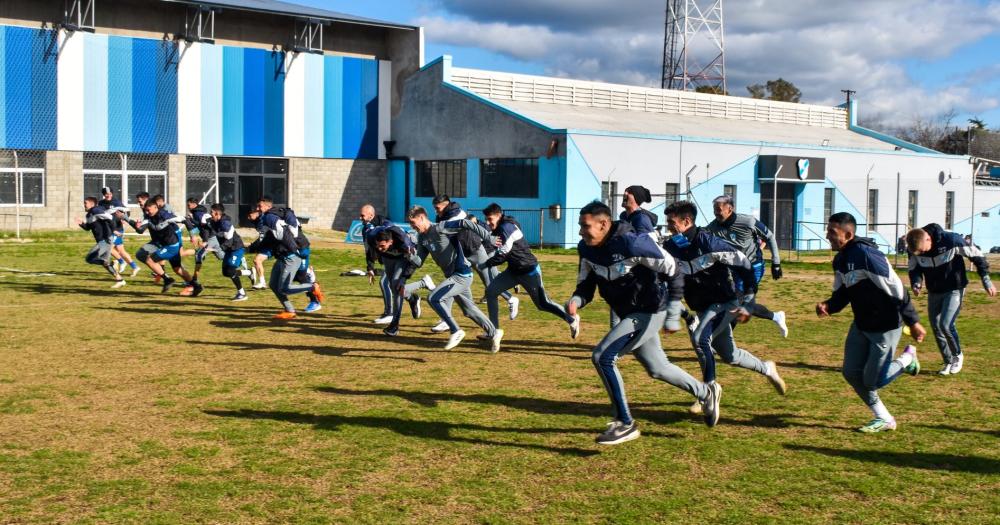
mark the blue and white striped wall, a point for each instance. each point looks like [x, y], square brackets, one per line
[92, 92]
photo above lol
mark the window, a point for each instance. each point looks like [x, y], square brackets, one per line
[911, 209]
[872, 209]
[241, 180]
[672, 194]
[730, 191]
[437, 177]
[508, 178]
[28, 177]
[829, 202]
[126, 175]
[609, 196]
[949, 210]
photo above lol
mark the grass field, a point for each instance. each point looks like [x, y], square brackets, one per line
[131, 406]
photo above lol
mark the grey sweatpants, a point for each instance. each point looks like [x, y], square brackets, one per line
[943, 308]
[457, 288]
[532, 283]
[394, 271]
[868, 361]
[100, 254]
[281, 283]
[486, 274]
[715, 332]
[639, 333]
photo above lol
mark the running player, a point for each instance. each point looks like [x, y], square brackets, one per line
[439, 241]
[642, 220]
[625, 268]
[747, 234]
[369, 221]
[522, 269]
[709, 266]
[231, 244]
[118, 251]
[863, 278]
[262, 253]
[280, 240]
[202, 238]
[165, 244]
[936, 256]
[99, 221]
[398, 255]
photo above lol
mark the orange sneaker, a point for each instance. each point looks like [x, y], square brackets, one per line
[284, 316]
[318, 293]
[188, 291]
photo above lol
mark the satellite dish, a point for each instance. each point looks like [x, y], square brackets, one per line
[942, 178]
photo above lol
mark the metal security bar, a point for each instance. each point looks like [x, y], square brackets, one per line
[126, 174]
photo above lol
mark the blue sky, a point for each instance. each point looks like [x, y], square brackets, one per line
[908, 59]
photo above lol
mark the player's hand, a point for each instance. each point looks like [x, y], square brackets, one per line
[401, 290]
[741, 314]
[371, 277]
[915, 288]
[991, 291]
[571, 307]
[821, 310]
[78, 221]
[776, 272]
[918, 332]
[498, 242]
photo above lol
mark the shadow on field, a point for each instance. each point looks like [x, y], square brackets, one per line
[319, 350]
[438, 430]
[921, 460]
[103, 291]
[994, 433]
[810, 366]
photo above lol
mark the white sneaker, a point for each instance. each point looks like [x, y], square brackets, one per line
[455, 339]
[440, 327]
[428, 282]
[956, 367]
[693, 325]
[695, 408]
[779, 319]
[259, 286]
[495, 341]
[252, 274]
[385, 319]
[513, 305]
[776, 381]
[945, 370]
[118, 284]
[574, 327]
[135, 271]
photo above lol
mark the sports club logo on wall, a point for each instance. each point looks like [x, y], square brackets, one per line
[803, 169]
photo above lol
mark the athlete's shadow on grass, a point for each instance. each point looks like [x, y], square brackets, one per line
[437, 430]
[920, 460]
[810, 366]
[994, 433]
[66, 289]
[775, 421]
[363, 353]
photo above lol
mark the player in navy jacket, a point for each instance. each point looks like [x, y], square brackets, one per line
[642, 220]
[279, 238]
[369, 221]
[864, 279]
[625, 268]
[398, 255]
[936, 257]
[99, 221]
[118, 251]
[165, 243]
[709, 266]
[224, 235]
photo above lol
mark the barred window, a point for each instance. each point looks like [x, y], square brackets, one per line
[730, 191]
[508, 178]
[949, 210]
[829, 202]
[126, 175]
[25, 173]
[672, 195]
[436, 177]
[911, 209]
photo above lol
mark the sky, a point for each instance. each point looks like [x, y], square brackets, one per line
[908, 60]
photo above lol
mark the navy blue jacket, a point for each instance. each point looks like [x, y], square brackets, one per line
[99, 221]
[164, 227]
[402, 248]
[225, 233]
[371, 256]
[626, 270]
[276, 236]
[942, 266]
[863, 277]
[198, 218]
[114, 205]
[710, 265]
[470, 241]
[514, 249]
[642, 220]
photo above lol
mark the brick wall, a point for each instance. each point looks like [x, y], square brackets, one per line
[331, 191]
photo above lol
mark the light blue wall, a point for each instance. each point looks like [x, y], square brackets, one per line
[987, 233]
[27, 88]
[581, 186]
[809, 217]
[743, 176]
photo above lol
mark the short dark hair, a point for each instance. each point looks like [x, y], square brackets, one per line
[150, 202]
[219, 207]
[158, 197]
[383, 235]
[416, 211]
[493, 209]
[597, 209]
[266, 198]
[438, 199]
[92, 200]
[844, 221]
[192, 200]
[142, 195]
[682, 209]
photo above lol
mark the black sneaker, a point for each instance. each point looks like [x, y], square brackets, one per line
[414, 301]
[198, 288]
[167, 283]
[618, 432]
[391, 331]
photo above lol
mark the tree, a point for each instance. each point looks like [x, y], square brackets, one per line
[712, 90]
[778, 89]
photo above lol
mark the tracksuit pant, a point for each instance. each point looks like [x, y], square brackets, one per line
[100, 254]
[639, 333]
[715, 332]
[486, 274]
[868, 361]
[943, 309]
[458, 288]
[281, 283]
[532, 283]
[394, 271]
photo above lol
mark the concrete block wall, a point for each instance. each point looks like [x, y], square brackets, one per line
[331, 191]
[63, 196]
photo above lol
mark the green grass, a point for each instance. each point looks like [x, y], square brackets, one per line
[132, 406]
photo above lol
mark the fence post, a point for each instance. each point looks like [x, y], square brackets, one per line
[541, 227]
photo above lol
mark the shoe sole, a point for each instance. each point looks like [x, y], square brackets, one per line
[495, 343]
[623, 439]
[451, 346]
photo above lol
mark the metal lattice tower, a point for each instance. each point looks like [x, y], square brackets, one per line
[694, 46]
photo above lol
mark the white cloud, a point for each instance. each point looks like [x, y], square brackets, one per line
[820, 46]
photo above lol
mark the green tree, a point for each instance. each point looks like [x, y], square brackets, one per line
[712, 90]
[778, 89]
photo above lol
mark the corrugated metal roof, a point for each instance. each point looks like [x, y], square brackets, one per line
[290, 9]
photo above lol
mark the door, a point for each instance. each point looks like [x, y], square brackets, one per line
[251, 188]
[785, 230]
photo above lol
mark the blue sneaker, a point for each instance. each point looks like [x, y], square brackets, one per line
[314, 306]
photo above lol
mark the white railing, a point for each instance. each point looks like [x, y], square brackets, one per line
[547, 90]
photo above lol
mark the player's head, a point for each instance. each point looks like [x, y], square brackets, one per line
[151, 206]
[493, 213]
[595, 223]
[383, 240]
[192, 203]
[159, 200]
[840, 228]
[218, 210]
[722, 206]
[441, 202]
[417, 217]
[264, 204]
[634, 196]
[681, 216]
[253, 215]
[141, 197]
[89, 202]
[367, 213]
[107, 193]
[918, 241]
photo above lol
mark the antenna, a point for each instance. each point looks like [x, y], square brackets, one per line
[694, 46]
